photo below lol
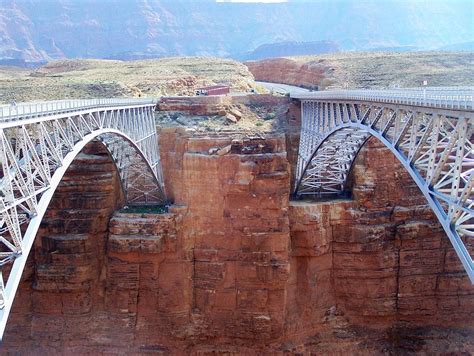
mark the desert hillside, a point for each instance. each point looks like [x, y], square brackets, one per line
[107, 78]
[368, 69]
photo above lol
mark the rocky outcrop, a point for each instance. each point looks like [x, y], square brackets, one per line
[311, 75]
[217, 105]
[206, 105]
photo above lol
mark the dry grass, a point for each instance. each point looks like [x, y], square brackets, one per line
[105, 78]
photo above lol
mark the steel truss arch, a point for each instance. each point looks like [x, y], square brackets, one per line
[434, 145]
[35, 153]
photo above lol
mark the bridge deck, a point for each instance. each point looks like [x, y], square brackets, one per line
[20, 111]
[460, 98]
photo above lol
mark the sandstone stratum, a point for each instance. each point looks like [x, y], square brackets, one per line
[234, 266]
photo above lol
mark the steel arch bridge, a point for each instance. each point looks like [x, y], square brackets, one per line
[429, 130]
[38, 142]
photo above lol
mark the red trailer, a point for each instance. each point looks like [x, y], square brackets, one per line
[214, 90]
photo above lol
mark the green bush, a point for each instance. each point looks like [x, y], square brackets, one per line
[270, 116]
[150, 209]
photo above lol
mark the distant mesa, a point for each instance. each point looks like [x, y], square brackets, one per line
[367, 70]
[290, 48]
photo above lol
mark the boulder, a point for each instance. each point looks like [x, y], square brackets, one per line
[231, 118]
[236, 113]
[225, 150]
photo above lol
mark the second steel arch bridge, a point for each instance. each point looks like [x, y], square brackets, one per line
[430, 131]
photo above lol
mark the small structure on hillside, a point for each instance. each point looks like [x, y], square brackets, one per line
[214, 90]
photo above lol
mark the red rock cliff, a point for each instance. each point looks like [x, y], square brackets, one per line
[310, 75]
[237, 268]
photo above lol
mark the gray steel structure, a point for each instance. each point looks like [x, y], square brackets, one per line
[38, 142]
[429, 130]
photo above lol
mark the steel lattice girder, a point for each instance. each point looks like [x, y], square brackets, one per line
[434, 145]
[35, 153]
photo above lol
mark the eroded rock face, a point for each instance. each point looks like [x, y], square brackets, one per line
[310, 75]
[99, 281]
[235, 267]
[236, 219]
[394, 261]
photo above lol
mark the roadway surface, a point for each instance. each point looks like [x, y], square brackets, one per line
[284, 88]
[460, 98]
[438, 97]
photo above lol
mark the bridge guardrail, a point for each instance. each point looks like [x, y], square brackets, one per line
[461, 98]
[34, 109]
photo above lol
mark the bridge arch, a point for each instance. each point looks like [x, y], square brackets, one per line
[36, 152]
[434, 146]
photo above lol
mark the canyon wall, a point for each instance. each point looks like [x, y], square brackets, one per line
[99, 279]
[235, 267]
[236, 219]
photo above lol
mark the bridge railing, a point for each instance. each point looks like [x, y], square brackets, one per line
[449, 98]
[15, 111]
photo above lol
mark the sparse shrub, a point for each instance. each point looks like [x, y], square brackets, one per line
[174, 116]
[152, 209]
[270, 116]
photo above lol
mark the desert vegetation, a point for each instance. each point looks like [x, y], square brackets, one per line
[110, 78]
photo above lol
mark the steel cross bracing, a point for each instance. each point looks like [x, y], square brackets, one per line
[434, 143]
[37, 147]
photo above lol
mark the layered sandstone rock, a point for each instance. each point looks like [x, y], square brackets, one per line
[204, 105]
[237, 222]
[394, 260]
[95, 286]
[310, 75]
